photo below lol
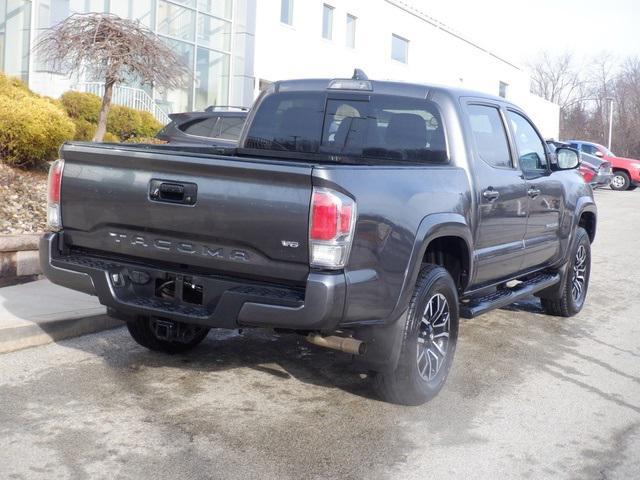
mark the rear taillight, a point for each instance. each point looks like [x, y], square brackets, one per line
[54, 216]
[331, 225]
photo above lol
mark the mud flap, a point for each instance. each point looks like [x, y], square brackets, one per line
[383, 346]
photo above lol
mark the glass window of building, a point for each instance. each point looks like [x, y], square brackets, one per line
[176, 21]
[351, 31]
[15, 23]
[286, 11]
[180, 99]
[399, 48]
[141, 10]
[188, 3]
[219, 8]
[212, 79]
[214, 33]
[327, 21]
[502, 89]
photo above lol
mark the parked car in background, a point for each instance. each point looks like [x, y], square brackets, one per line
[219, 126]
[595, 171]
[626, 171]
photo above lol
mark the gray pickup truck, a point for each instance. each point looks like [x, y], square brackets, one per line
[367, 216]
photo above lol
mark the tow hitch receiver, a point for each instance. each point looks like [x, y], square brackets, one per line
[165, 329]
[171, 331]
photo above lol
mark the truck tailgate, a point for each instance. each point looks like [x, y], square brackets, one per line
[228, 215]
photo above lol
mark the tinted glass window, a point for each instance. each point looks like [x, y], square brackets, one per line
[202, 128]
[384, 128]
[387, 127]
[230, 127]
[590, 149]
[289, 121]
[489, 135]
[531, 152]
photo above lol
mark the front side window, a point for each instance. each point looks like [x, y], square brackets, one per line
[489, 136]
[286, 11]
[383, 129]
[531, 151]
[590, 149]
[399, 48]
[327, 21]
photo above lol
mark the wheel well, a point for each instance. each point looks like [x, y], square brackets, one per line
[452, 253]
[588, 222]
[617, 169]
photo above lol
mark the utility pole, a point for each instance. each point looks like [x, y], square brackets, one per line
[610, 120]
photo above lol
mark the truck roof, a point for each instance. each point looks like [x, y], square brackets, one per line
[383, 87]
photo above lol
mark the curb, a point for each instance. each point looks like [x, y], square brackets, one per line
[19, 260]
[17, 337]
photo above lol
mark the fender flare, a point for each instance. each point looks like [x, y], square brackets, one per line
[585, 204]
[432, 227]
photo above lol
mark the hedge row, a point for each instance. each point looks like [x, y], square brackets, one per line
[33, 127]
[123, 123]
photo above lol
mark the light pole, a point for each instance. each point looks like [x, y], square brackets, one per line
[610, 120]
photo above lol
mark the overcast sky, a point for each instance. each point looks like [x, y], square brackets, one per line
[518, 29]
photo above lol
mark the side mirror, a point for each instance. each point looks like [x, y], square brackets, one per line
[568, 158]
[599, 154]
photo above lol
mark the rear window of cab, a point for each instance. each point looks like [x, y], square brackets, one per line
[349, 127]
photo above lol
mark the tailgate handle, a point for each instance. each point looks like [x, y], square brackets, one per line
[173, 192]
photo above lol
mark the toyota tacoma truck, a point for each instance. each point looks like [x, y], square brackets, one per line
[368, 216]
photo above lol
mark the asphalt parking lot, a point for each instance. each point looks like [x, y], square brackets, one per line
[529, 396]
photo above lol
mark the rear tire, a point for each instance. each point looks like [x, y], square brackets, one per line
[575, 280]
[620, 181]
[142, 332]
[428, 341]
[632, 187]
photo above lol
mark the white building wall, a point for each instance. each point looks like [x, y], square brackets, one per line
[436, 54]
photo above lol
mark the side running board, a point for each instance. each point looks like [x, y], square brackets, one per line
[473, 306]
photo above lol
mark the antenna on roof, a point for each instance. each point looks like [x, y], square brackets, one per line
[359, 75]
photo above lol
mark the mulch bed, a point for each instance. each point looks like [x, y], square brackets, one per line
[23, 200]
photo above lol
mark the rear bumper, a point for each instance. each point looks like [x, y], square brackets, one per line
[225, 303]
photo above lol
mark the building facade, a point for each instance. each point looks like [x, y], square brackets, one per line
[236, 47]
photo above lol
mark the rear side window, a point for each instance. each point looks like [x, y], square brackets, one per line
[490, 136]
[381, 128]
[230, 127]
[204, 127]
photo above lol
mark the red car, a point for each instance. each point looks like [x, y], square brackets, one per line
[626, 171]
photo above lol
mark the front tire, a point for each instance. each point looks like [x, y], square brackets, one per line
[142, 331]
[620, 181]
[428, 341]
[575, 280]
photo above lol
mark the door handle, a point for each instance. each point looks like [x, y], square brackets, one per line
[183, 193]
[491, 194]
[533, 192]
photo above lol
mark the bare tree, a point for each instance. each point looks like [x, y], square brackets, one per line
[556, 78]
[114, 49]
